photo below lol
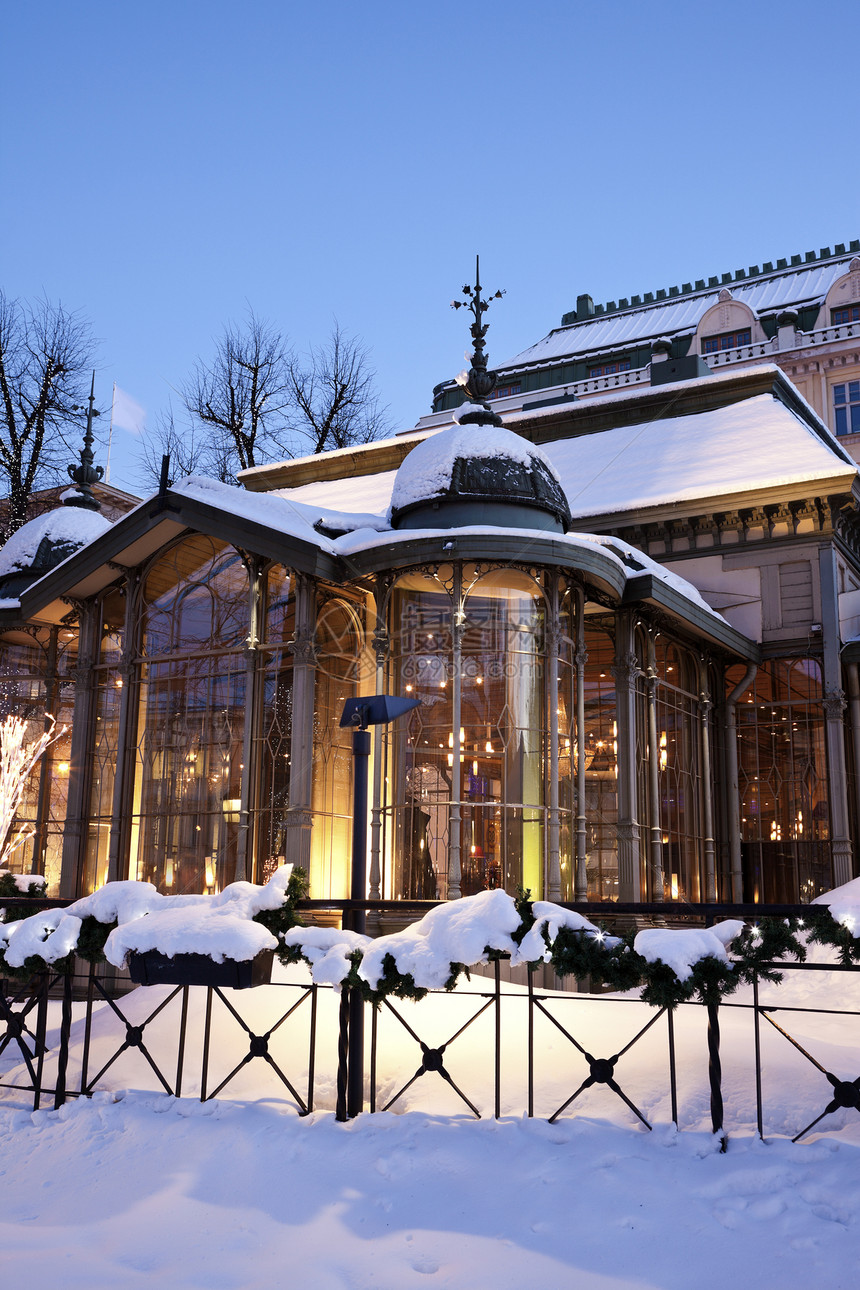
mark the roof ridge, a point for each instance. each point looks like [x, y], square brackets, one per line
[783, 265]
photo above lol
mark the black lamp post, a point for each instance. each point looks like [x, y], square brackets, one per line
[372, 710]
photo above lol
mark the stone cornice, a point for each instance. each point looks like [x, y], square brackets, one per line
[726, 531]
[776, 515]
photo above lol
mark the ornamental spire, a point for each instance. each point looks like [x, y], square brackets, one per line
[478, 383]
[86, 474]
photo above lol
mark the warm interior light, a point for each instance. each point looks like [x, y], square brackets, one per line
[231, 807]
[674, 886]
[664, 753]
[63, 768]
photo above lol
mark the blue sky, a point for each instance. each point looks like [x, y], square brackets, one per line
[166, 164]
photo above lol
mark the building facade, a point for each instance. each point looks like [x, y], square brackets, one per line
[631, 622]
[801, 313]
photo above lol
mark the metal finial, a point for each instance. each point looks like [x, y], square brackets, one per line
[86, 474]
[479, 383]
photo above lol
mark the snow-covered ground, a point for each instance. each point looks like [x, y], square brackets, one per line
[134, 1185]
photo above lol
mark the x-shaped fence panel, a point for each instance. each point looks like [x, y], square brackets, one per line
[133, 1037]
[258, 1045]
[433, 1057]
[845, 1093]
[23, 1025]
[601, 1070]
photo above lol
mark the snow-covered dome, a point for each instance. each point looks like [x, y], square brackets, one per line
[41, 544]
[478, 474]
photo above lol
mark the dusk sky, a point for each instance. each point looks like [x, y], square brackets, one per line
[170, 163]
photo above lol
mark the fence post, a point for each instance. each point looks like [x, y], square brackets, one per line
[715, 1073]
[498, 1010]
[65, 1033]
[342, 1054]
[41, 1038]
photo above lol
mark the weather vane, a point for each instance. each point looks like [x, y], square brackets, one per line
[478, 382]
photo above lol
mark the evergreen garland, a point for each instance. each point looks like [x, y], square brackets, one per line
[607, 961]
[25, 902]
[824, 929]
[279, 921]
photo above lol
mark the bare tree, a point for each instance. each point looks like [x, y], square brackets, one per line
[334, 397]
[192, 449]
[258, 400]
[242, 396]
[45, 352]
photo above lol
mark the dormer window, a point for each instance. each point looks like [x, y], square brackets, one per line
[848, 315]
[727, 340]
[610, 369]
[505, 391]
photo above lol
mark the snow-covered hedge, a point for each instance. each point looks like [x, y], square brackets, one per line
[668, 965]
[127, 917]
[21, 884]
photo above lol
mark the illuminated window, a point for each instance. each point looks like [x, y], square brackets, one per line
[727, 340]
[782, 766]
[191, 704]
[846, 407]
[848, 315]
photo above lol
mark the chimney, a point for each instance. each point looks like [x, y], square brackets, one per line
[584, 308]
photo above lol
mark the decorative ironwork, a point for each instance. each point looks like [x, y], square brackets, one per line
[258, 1046]
[86, 474]
[479, 383]
[432, 1059]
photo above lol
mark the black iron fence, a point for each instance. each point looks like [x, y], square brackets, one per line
[66, 1035]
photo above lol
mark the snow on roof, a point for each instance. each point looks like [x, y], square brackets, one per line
[628, 559]
[757, 443]
[680, 314]
[754, 443]
[66, 525]
[276, 510]
[354, 494]
[426, 471]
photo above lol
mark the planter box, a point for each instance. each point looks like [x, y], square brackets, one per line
[151, 967]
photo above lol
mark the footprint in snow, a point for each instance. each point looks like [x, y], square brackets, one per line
[425, 1263]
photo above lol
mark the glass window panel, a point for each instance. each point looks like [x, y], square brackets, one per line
[785, 823]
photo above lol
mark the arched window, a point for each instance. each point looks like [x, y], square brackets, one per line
[338, 641]
[503, 732]
[417, 770]
[467, 770]
[37, 671]
[785, 820]
[679, 758]
[191, 712]
[273, 723]
[600, 737]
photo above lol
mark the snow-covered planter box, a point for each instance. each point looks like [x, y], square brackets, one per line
[151, 967]
[227, 939]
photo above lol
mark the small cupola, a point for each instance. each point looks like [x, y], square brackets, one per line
[477, 472]
[42, 543]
